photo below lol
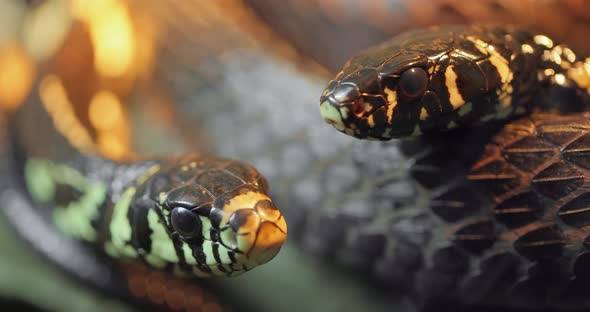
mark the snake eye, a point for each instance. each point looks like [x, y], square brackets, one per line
[413, 82]
[186, 223]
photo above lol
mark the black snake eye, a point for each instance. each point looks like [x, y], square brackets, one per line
[185, 223]
[413, 82]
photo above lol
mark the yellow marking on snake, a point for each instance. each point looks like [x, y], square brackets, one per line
[570, 56]
[527, 49]
[465, 54]
[455, 97]
[148, 173]
[549, 72]
[581, 75]
[392, 101]
[556, 56]
[502, 67]
[560, 79]
[496, 59]
[371, 121]
[391, 95]
[543, 40]
[423, 113]
[246, 200]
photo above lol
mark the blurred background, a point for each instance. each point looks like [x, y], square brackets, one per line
[127, 78]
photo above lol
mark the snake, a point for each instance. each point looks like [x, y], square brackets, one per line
[195, 215]
[364, 205]
[441, 79]
[530, 177]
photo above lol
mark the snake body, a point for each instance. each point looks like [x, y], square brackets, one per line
[368, 205]
[442, 78]
[523, 202]
[402, 213]
[195, 215]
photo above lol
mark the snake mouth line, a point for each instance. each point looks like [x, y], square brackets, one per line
[333, 115]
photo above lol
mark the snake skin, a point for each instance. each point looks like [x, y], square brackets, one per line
[377, 209]
[385, 210]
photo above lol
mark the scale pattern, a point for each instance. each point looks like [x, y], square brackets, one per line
[390, 211]
[440, 78]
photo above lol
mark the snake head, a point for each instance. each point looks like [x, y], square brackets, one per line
[214, 217]
[430, 79]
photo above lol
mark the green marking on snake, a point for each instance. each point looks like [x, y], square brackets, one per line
[69, 176]
[208, 251]
[465, 109]
[188, 254]
[39, 180]
[120, 228]
[162, 244]
[331, 115]
[206, 227]
[224, 256]
[75, 220]
[76, 202]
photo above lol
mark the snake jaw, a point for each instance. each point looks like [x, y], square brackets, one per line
[270, 239]
[332, 115]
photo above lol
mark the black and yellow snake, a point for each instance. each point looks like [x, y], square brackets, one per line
[363, 208]
[530, 179]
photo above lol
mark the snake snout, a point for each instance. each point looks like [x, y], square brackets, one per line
[261, 231]
[271, 237]
[255, 227]
[339, 102]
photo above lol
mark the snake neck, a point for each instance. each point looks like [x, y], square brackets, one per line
[74, 189]
[443, 78]
[80, 195]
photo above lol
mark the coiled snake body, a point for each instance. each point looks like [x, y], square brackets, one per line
[525, 198]
[196, 215]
